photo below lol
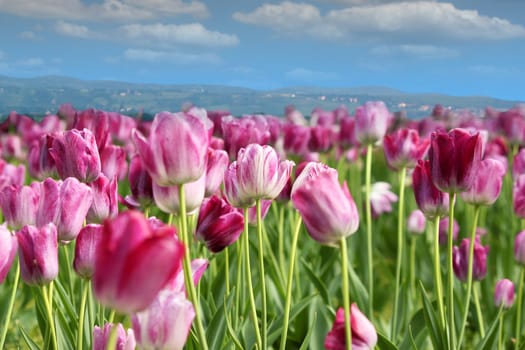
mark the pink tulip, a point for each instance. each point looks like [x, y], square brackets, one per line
[240, 132]
[371, 122]
[518, 196]
[460, 260]
[252, 211]
[443, 230]
[416, 222]
[176, 150]
[8, 248]
[19, 205]
[430, 200]
[113, 162]
[135, 260]
[519, 248]
[11, 146]
[140, 182]
[364, 335]
[217, 163]
[86, 246]
[125, 339]
[120, 126]
[76, 155]
[11, 175]
[216, 118]
[219, 224]
[97, 122]
[454, 159]
[381, 198]
[518, 164]
[512, 123]
[68, 112]
[38, 251]
[487, 184]
[403, 148]
[347, 133]
[321, 138]
[232, 189]
[40, 162]
[65, 204]
[105, 204]
[167, 197]
[296, 138]
[504, 293]
[327, 208]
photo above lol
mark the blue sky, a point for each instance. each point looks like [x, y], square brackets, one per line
[459, 47]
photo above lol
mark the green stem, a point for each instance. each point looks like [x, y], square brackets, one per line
[500, 327]
[111, 316]
[48, 302]
[346, 293]
[188, 278]
[450, 273]
[479, 313]
[253, 310]
[227, 268]
[83, 302]
[11, 305]
[289, 285]
[518, 308]
[113, 337]
[412, 277]
[437, 274]
[240, 257]
[261, 272]
[400, 244]
[280, 239]
[368, 209]
[477, 209]
[68, 270]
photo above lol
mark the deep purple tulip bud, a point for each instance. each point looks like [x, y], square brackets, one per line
[76, 155]
[38, 251]
[86, 246]
[125, 339]
[140, 182]
[105, 203]
[260, 172]
[518, 196]
[487, 183]
[454, 159]
[113, 162]
[519, 248]
[430, 200]
[176, 150]
[19, 205]
[65, 204]
[217, 163]
[460, 260]
[371, 122]
[327, 208]
[403, 148]
[8, 248]
[443, 230]
[416, 222]
[219, 224]
[381, 198]
[364, 335]
[134, 261]
[504, 293]
[167, 197]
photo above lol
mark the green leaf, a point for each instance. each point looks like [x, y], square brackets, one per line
[319, 285]
[306, 341]
[417, 332]
[217, 327]
[487, 343]
[27, 338]
[384, 344]
[436, 334]
[357, 289]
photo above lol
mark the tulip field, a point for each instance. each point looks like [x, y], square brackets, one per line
[201, 230]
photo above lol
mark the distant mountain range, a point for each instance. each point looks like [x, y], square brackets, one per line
[36, 96]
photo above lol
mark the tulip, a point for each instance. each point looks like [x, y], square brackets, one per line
[125, 339]
[487, 183]
[140, 182]
[403, 148]
[8, 248]
[381, 198]
[371, 122]
[443, 230]
[120, 126]
[38, 251]
[416, 222]
[104, 203]
[240, 132]
[11, 175]
[364, 335]
[519, 248]
[134, 253]
[252, 212]
[430, 200]
[321, 138]
[454, 159]
[219, 224]
[296, 139]
[327, 208]
[518, 196]
[113, 162]
[512, 123]
[65, 204]
[97, 122]
[176, 150]
[76, 154]
[217, 163]
[346, 132]
[40, 162]
[19, 205]
[504, 293]
[167, 197]
[518, 164]
[479, 264]
[11, 146]
[86, 247]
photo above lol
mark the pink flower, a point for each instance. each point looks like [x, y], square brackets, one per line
[113, 162]
[97, 122]
[416, 222]
[104, 205]
[240, 132]
[252, 211]
[167, 197]
[443, 230]
[519, 248]
[518, 196]
[38, 250]
[364, 335]
[40, 162]
[8, 248]
[19, 205]
[487, 183]
[125, 339]
[321, 138]
[135, 260]
[403, 148]
[327, 208]
[140, 182]
[430, 200]
[371, 122]
[217, 163]
[381, 198]
[86, 246]
[504, 293]
[460, 260]
[518, 164]
[176, 150]
[11, 175]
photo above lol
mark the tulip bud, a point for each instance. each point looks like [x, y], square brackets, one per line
[518, 196]
[241, 132]
[167, 197]
[487, 183]
[327, 208]
[11, 175]
[113, 162]
[86, 246]
[504, 293]
[364, 335]
[140, 182]
[217, 163]
[430, 200]
[443, 230]
[104, 203]
[479, 264]
[371, 122]
[403, 148]
[38, 250]
[519, 248]
[296, 138]
[40, 162]
[381, 198]
[321, 138]
[19, 205]
[416, 222]
[125, 340]
[8, 248]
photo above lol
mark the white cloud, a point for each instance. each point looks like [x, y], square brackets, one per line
[418, 51]
[169, 34]
[153, 56]
[74, 30]
[310, 76]
[27, 34]
[414, 20]
[120, 10]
